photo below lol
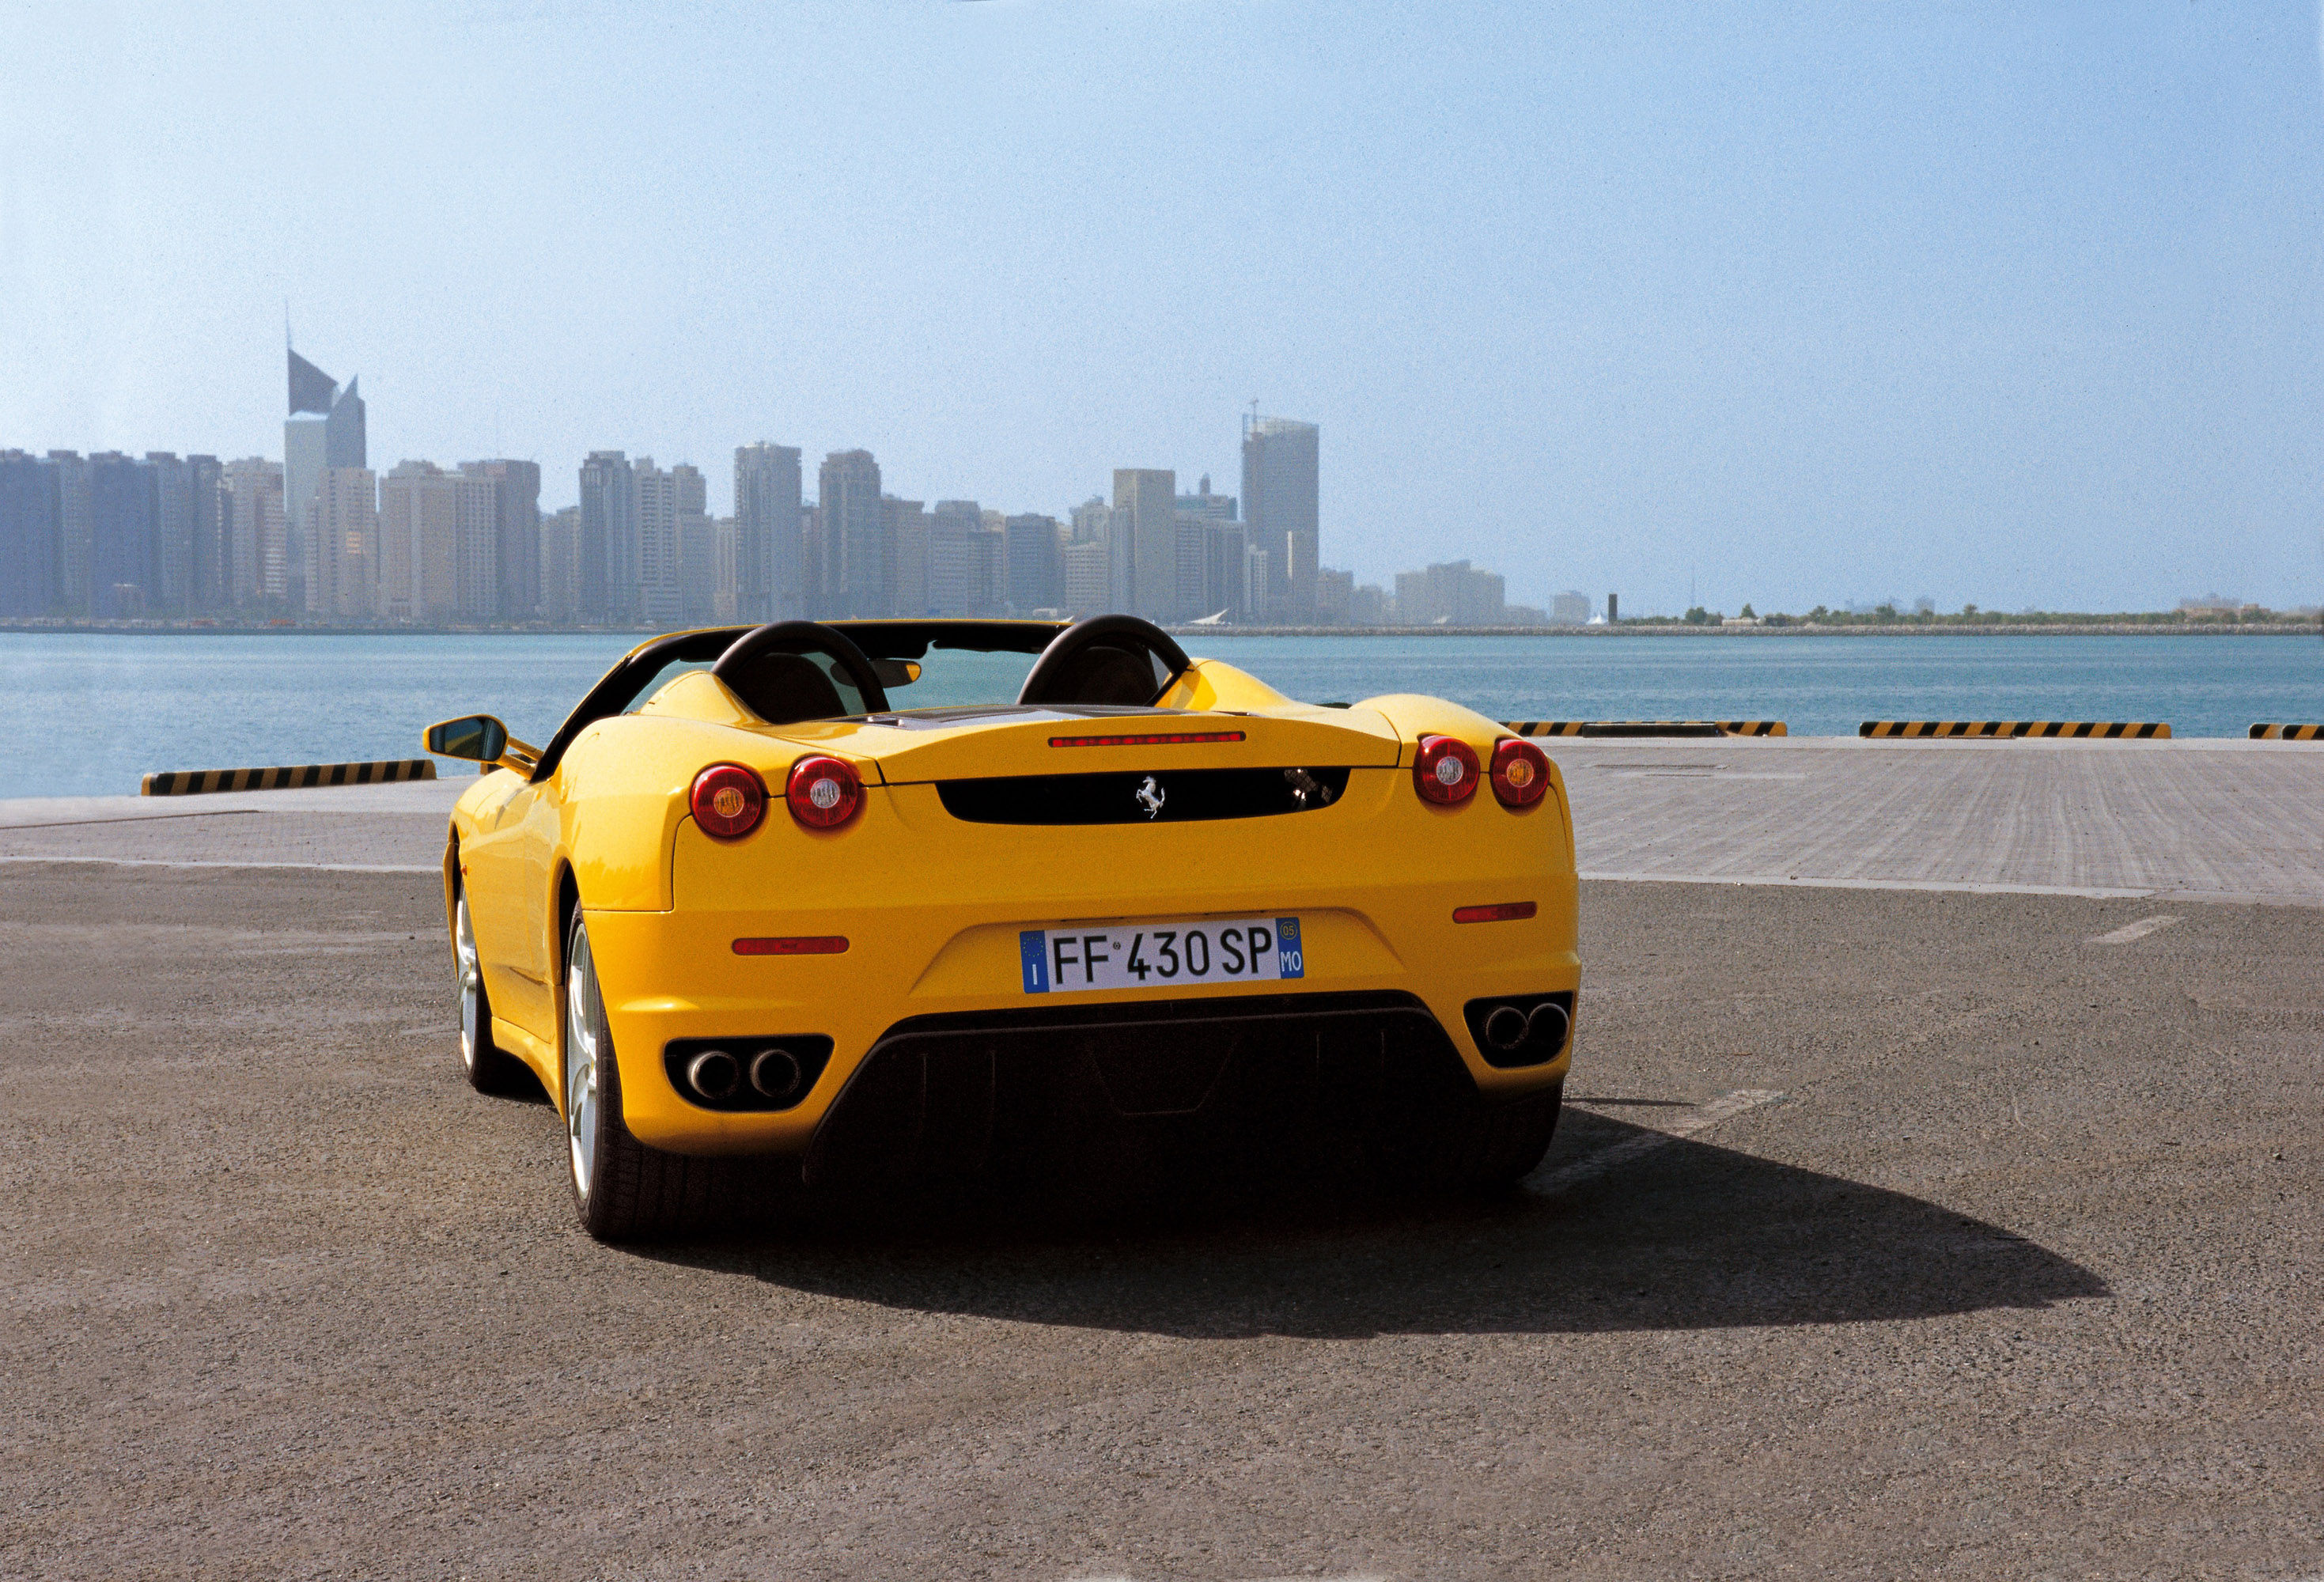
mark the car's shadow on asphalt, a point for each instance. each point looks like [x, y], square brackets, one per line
[1687, 1236]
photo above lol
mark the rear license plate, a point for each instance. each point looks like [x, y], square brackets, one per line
[1158, 955]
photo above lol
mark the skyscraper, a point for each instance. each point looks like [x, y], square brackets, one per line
[209, 566]
[1036, 577]
[855, 535]
[1279, 505]
[73, 531]
[768, 573]
[324, 429]
[343, 572]
[908, 556]
[560, 585]
[256, 533]
[606, 551]
[964, 560]
[123, 554]
[1146, 510]
[516, 503]
[436, 546]
[418, 518]
[29, 547]
[661, 592]
[173, 533]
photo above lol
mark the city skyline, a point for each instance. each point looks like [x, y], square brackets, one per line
[320, 534]
[1794, 308]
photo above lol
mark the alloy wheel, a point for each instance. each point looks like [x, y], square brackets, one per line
[472, 985]
[581, 1065]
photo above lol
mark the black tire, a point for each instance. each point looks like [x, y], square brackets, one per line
[490, 1068]
[622, 1190]
[1475, 1146]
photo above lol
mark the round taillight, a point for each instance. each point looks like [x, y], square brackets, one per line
[1520, 772]
[1446, 769]
[728, 800]
[824, 792]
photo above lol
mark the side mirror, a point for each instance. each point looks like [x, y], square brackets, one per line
[479, 737]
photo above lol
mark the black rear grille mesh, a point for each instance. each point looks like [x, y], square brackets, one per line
[1029, 1092]
[1141, 796]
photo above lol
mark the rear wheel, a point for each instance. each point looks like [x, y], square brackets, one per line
[490, 1068]
[623, 1190]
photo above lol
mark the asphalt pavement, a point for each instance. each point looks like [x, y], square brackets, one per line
[1891, 1233]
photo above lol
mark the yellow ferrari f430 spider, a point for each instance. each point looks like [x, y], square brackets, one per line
[903, 900]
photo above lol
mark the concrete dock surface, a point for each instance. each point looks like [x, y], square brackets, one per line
[2195, 820]
[1893, 1231]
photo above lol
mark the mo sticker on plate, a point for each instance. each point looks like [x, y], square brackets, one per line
[1152, 956]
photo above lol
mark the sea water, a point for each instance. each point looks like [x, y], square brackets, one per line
[86, 714]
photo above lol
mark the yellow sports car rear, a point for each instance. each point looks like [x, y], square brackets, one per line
[1144, 907]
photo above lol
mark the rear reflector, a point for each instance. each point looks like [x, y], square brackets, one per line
[1188, 735]
[1504, 911]
[825, 944]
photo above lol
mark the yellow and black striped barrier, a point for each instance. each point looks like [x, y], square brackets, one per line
[1647, 727]
[291, 778]
[1613, 727]
[2019, 730]
[2287, 734]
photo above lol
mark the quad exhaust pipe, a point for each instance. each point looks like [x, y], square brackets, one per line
[1506, 1027]
[714, 1074]
[775, 1074]
[1522, 1030]
[717, 1076]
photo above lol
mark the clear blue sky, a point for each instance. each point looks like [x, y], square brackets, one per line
[1994, 302]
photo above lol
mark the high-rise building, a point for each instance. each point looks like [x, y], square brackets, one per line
[770, 580]
[516, 538]
[908, 556]
[124, 552]
[475, 550]
[1335, 592]
[697, 569]
[74, 531]
[671, 507]
[437, 545]
[173, 533]
[1219, 508]
[607, 550]
[1210, 555]
[1086, 578]
[1145, 513]
[1096, 522]
[560, 566]
[257, 534]
[725, 550]
[963, 560]
[1570, 608]
[853, 520]
[325, 429]
[30, 536]
[207, 568]
[343, 572]
[1279, 510]
[660, 595]
[1037, 577]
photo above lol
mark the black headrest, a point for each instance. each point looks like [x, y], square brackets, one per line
[783, 689]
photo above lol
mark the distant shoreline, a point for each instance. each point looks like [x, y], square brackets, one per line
[2298, 626]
